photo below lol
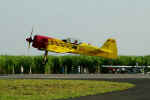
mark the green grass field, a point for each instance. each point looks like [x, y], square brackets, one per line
[55, 89]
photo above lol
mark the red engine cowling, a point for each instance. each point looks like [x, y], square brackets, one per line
[40, 42]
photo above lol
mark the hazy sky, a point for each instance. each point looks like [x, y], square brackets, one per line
[128, 21]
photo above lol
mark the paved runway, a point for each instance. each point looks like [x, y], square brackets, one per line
[140, 92]
[75, 76]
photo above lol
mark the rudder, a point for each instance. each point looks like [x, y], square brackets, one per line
[110, 48]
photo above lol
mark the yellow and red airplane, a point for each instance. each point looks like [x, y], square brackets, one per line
[108, 50]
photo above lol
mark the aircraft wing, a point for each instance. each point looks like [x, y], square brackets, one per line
[105, 50]
[58, 49]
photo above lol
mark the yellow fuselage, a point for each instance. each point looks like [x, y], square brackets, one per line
[108, 50]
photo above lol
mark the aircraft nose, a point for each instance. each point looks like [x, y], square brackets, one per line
[29, 39]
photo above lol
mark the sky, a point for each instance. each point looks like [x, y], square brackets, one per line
[128, 21]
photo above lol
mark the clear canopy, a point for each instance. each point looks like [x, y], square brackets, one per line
[72, 40]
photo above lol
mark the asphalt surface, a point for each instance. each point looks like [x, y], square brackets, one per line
[140, 92]
[75, 76]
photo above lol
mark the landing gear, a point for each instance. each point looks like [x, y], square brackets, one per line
[45, 60]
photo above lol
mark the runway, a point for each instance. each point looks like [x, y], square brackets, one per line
[140, 92]
[75, 76]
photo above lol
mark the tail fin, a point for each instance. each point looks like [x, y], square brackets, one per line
[109, 49]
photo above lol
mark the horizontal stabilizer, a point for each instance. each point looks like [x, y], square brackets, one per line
[109, 49]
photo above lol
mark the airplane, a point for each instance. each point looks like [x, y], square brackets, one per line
[108, 50]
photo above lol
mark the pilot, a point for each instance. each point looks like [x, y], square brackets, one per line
[76, 42]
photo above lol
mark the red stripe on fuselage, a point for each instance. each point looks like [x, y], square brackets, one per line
[40, 42]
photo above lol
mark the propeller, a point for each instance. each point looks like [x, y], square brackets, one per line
[30, 39]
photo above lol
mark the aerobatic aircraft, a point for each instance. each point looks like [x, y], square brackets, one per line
[108, 50]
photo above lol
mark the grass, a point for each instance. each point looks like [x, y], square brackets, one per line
[55, 89]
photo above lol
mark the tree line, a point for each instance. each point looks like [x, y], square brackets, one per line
[64, 64]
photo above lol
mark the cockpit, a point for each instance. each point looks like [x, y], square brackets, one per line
[71, 40]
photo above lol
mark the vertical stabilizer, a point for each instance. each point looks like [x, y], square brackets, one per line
[109, 49]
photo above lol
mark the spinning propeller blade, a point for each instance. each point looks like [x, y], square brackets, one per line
[30, 39]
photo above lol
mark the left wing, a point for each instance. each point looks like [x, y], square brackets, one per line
[58, 46]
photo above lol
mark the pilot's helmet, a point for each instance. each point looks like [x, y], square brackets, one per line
[76, 41]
